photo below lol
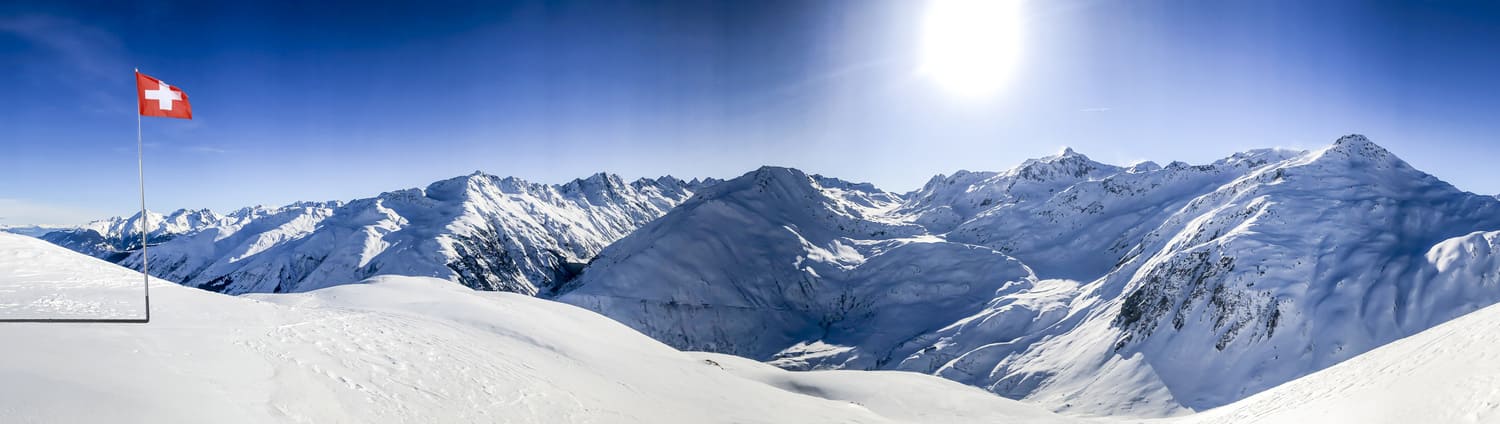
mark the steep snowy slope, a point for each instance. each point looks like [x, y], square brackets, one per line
[406, 349]
[1283, 272]
[780, 265]
[486, 232]
[1447, 374]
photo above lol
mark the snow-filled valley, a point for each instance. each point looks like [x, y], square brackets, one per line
[1268, 286]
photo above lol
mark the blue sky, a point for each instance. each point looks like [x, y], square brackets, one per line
[320, 102]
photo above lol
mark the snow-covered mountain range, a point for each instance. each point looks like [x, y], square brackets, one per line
[486, 232]
[402, 349]
[1079, 285]
[1082, 286]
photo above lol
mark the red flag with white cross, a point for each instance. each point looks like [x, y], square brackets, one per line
[156, 98]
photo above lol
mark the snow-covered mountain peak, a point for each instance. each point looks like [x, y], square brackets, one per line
[1357, 148]
[1142, 167]
[477, 185]
[774, 181]
[1356, 140]
[1067, 165]
[1256, 158]
[599, 182]
[854, 209]
[945, 202]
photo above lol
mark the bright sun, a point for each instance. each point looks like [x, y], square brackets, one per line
[970, 46]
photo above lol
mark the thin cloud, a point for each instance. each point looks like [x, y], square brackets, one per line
[1095, 109]
[208, 149]
[87, 54]
[90, 50]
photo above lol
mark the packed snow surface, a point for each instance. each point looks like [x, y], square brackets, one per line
[38, 281]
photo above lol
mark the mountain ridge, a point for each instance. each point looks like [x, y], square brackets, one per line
[488, 232]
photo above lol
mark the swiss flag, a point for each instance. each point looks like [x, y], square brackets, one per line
[156, 98]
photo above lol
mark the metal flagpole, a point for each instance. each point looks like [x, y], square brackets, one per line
[140, 164]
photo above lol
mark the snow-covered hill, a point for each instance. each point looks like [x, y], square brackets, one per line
[801, 269]
[1255, 269]
[487, 232]
[1447, 374]
[410, 349]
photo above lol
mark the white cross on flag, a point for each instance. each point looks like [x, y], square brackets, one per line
[156, 98]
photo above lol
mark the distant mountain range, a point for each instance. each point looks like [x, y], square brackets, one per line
[1087, 287]
[485, 232]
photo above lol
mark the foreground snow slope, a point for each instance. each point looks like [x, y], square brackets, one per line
[1447, 374]
[411, 349]
[32, 286]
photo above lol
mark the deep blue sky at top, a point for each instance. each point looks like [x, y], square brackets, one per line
[297, 101]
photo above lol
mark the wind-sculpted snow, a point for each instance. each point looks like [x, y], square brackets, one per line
[486, 232]
[1255, 269]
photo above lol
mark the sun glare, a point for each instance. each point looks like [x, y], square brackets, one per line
[970, 46]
